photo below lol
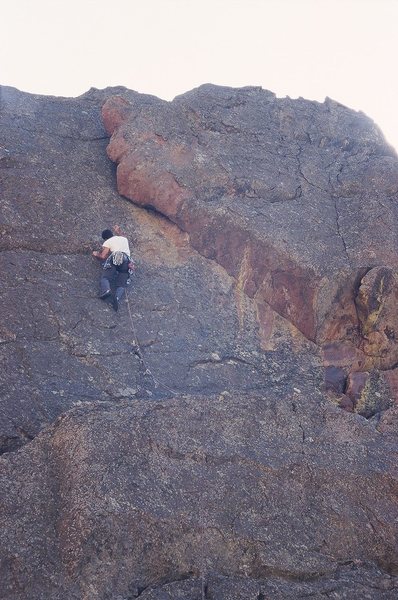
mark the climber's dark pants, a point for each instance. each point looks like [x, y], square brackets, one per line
[116, 275]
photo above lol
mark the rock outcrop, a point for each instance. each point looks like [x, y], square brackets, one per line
[296, 200]
[301, 194]
[60, 345]
[124, 498]
[212, 462]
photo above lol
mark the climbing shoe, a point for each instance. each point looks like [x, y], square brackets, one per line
[115, 303]
[105, 295]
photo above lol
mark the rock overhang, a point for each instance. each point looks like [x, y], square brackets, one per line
[264, 181]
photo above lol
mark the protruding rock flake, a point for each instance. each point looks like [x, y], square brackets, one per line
[231, 432]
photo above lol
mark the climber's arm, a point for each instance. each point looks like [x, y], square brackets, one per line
[103, 254]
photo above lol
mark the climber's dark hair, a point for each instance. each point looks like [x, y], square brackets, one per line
[106, 234]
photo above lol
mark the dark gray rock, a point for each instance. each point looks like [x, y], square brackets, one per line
[276, 488]
[59, 345]
[208, 461]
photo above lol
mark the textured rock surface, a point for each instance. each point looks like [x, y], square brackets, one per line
[296, 200]
[276, 195]
[59, 344]
[376, 302]
[142, 493]
[218, 467]
[353, 582]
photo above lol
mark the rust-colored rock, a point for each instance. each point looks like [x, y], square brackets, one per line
[118, 111]
[150, 186]
[279, 216]
[346, 403]
[377, 302]
[335, 379]
[342, 354]
[355, 385]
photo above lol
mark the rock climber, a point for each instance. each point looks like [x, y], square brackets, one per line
[117, 266]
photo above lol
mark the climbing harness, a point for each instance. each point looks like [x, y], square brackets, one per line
[118, 258]
[140, 355]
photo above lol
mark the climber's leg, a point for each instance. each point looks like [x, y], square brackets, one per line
[121, 282]
[107, 276]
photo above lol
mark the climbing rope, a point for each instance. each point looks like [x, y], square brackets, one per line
[203, 575]
[203, 565]
[140, 354]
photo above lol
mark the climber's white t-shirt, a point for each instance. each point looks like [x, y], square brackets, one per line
[117, 243]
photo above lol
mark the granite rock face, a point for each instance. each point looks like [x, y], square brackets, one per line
[296, 200]
[211, 461]
[300, 195]
[199, 333]
[124, 498]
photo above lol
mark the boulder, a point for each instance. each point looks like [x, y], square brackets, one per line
[114, 500]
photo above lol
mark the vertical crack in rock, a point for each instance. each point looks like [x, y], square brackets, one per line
[338, 229]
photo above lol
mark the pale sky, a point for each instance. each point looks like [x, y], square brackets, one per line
[344, 49]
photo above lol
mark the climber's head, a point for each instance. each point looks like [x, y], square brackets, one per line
[106, 234]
